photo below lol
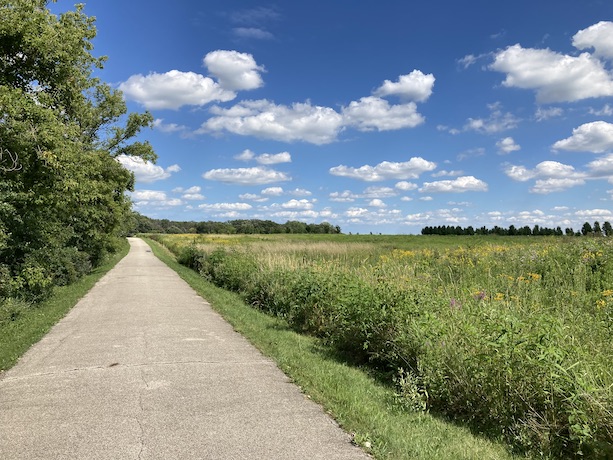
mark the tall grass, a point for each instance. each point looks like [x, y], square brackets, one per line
[511, 338]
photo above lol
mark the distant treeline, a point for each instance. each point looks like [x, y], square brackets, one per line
[143, 224]
[586, 230]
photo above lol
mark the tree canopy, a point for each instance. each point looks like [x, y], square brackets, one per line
[62, 200]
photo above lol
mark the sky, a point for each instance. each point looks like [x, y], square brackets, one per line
[379, 117]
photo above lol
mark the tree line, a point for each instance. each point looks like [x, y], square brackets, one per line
[144, 224]
[586, 230]
[63, 205]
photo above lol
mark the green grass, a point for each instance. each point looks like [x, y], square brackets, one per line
[23, 324]
[359, 403]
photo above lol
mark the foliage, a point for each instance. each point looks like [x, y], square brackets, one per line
[586, 230]
[62, 202]
[512, 338]
[143, 224]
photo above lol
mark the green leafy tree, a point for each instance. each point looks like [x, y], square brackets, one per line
[61, 187]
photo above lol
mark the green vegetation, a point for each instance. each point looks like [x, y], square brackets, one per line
[24, 323]
[143, 224]
[370, 409]
[62, 201]
[511, 337]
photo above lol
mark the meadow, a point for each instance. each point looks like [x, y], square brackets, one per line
[511, 335]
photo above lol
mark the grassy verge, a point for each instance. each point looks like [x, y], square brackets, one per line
[27, 324]
[357, 401]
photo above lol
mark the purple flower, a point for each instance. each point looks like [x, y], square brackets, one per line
[455, 304]
[479, 295]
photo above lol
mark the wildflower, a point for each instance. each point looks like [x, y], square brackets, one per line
[534, 276]
[499, 296]
[600, 303]
[455, 304]
[607, 292]
[479, 295]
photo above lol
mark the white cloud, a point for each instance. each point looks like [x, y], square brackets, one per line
[598, 36]
[415, 86]
[542, 114]
[245, 155]
[467, 60]
[252, 197]
[252, 32]
[246, 176]
[555, 77]
[226, 207]
[234, 71]
[507, 145]
[386, 170]
[356, 212]
[595, 137]
[343, 197]
[602, 167]
[168, 127]
[544, 186]
[145, 171]
[274, 158]
[607, 110]
[300, 192]
[264, 119]
[173, 89]
[379, 192]
[377, 203]
[459, 185]
[444, 172]
[370, 113]
[495, 123]
[273, 191]
[193, 196]
[551, 176]
[297, 204]
[405, 186]
[153, 198]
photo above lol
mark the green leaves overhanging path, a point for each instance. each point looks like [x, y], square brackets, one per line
[62, 201]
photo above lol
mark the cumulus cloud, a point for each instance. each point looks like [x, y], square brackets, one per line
[405, 186]
[297, 204]
[264, 119]
[246, 176]
[415, 86]
[542, 114]
[273, 191]
[345, 196]
[496, 122]
[370, 113]
[226, 207]
[234, 71]
[274, 158]
[602, 167]
[595, 137]
[551, 176]
[168, 127]
[300, 192]
[145, 171]
[555, 77]
[445, 173]
[507, 145]
[386, 170]
[377, 203]
[459, 185]
[379, 192]
[598, 36]
[173, 89]
[153, 198]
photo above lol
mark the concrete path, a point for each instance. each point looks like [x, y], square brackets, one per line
[142, 368]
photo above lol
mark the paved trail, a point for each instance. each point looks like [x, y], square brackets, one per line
[142, 368]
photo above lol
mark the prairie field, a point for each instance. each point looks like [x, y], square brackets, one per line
[508, 334]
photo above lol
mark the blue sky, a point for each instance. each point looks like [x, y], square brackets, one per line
[378, 117]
